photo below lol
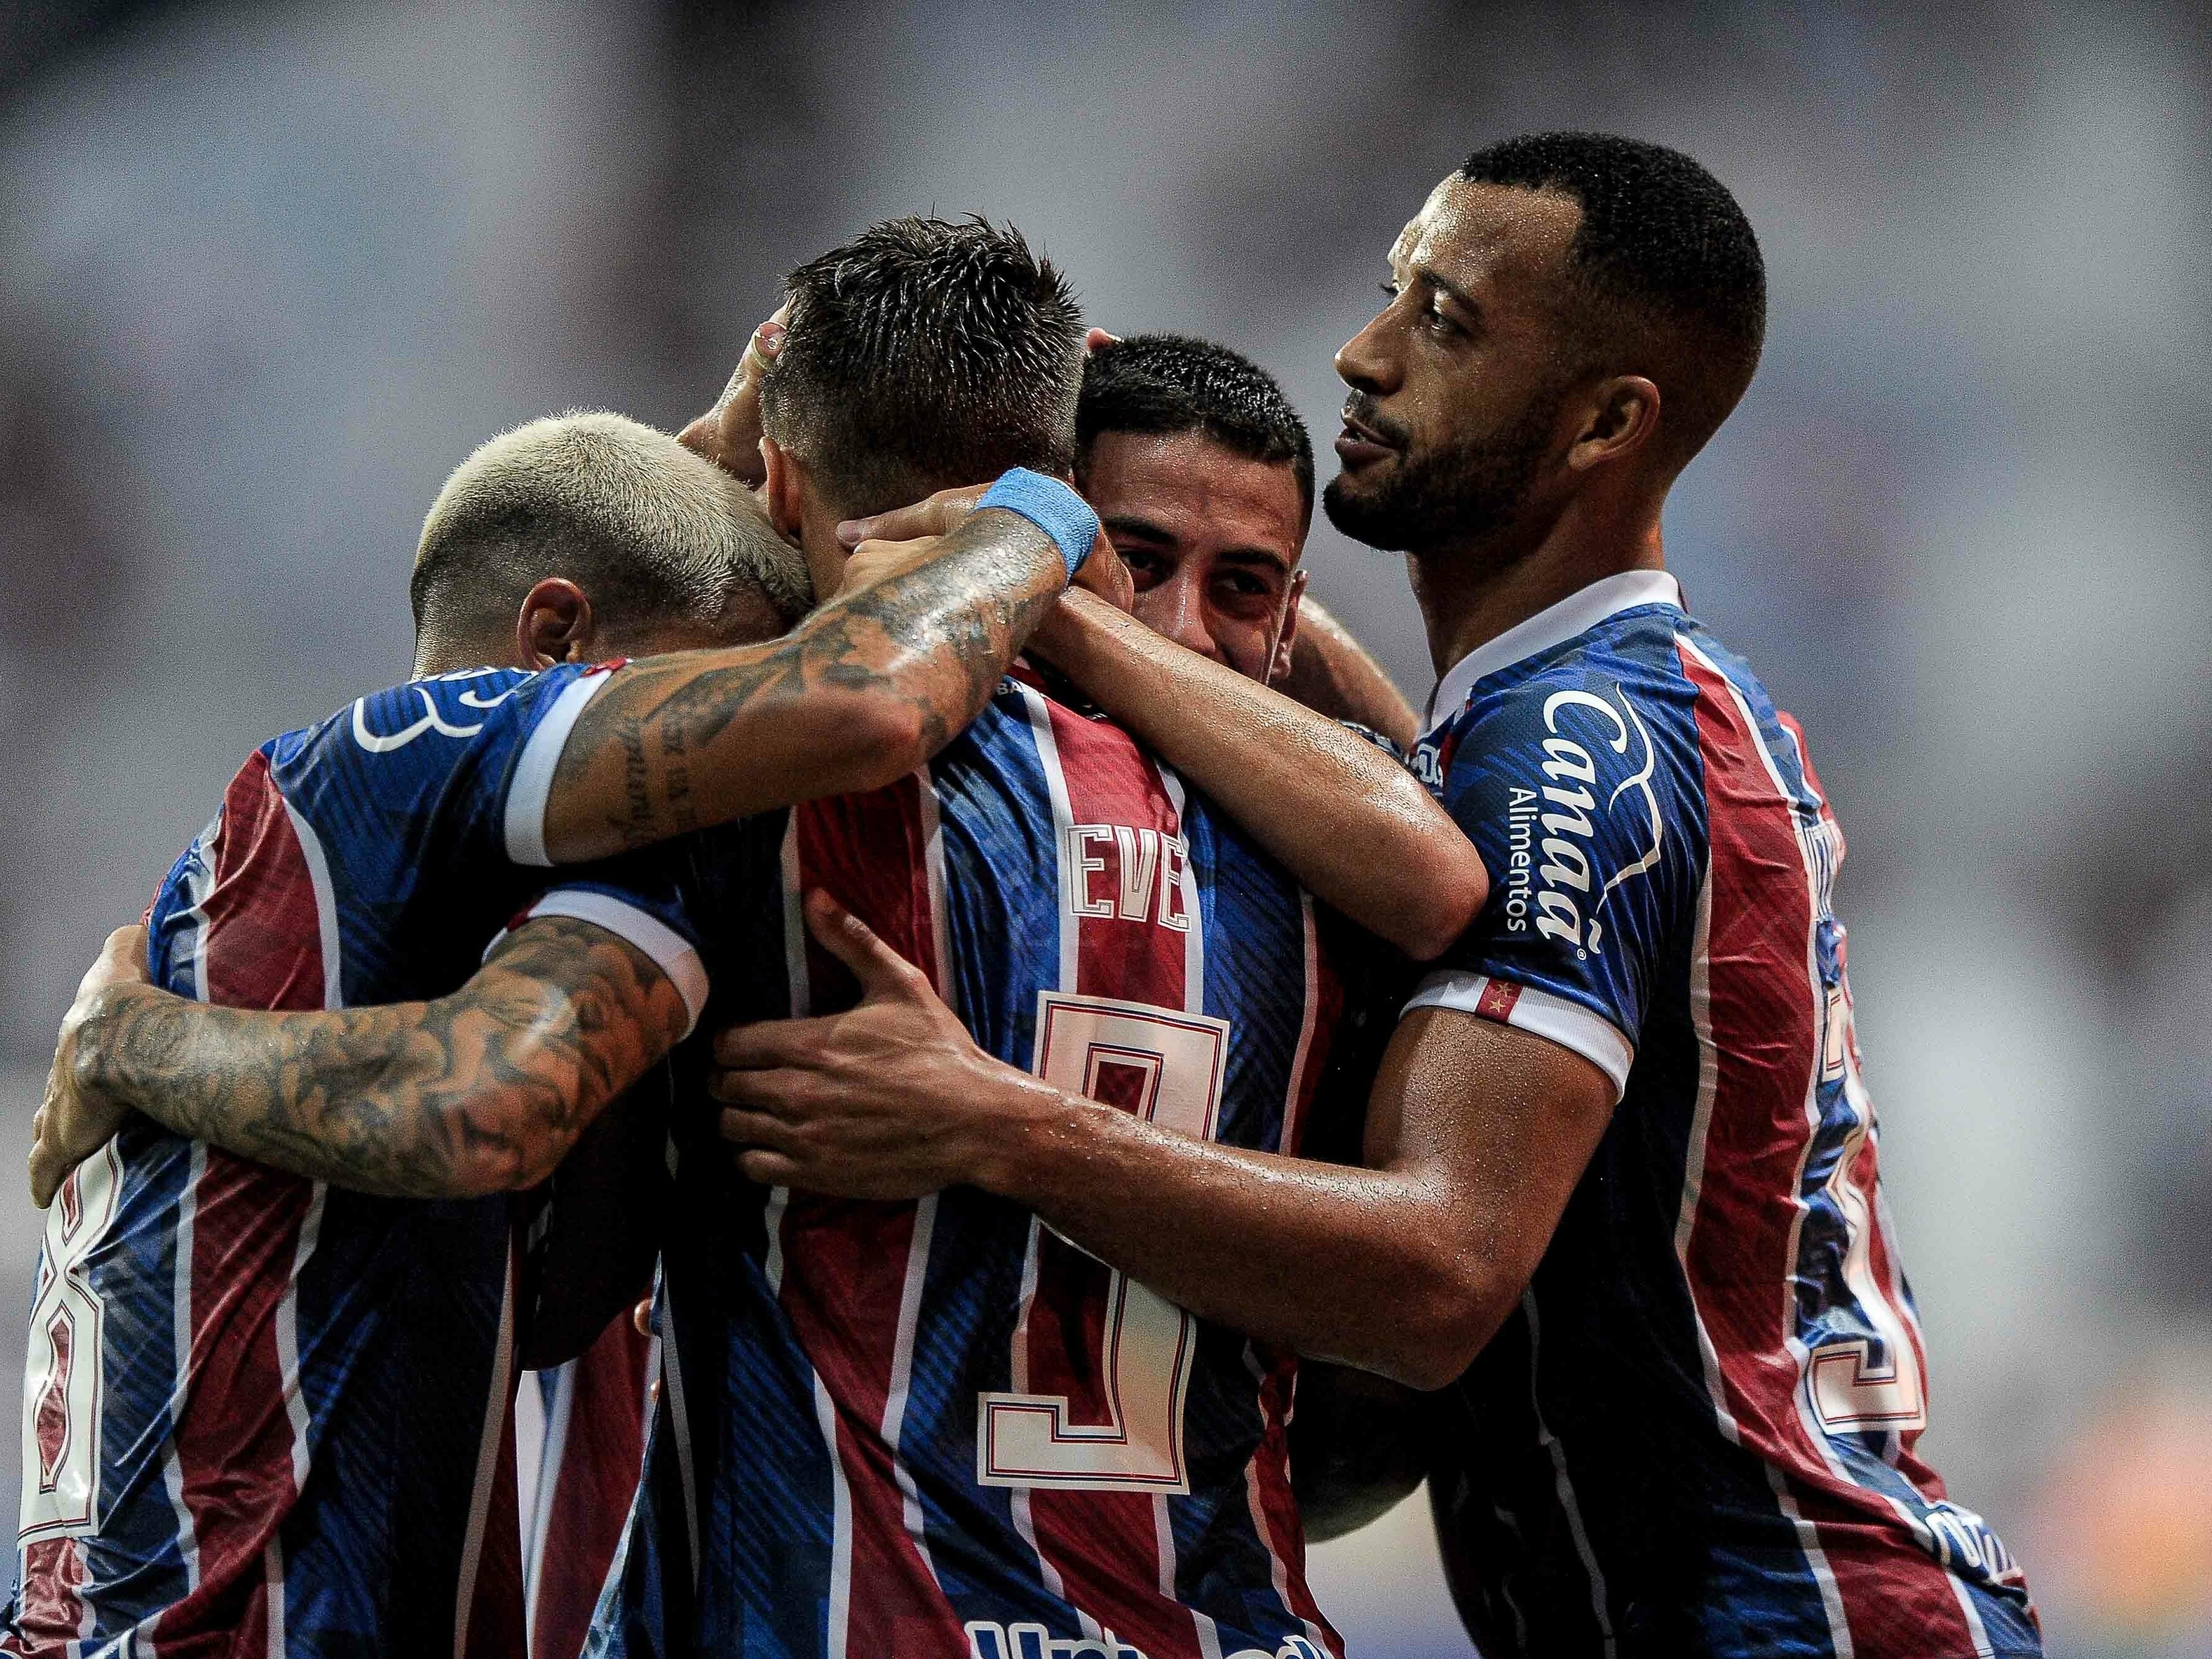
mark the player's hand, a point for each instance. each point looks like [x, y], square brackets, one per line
[872, 561]
[891, 1100]
[71, 1126]
[729, 434]
[1102, 573]
[941, 515]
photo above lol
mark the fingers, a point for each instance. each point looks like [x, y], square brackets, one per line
[768, 340]
[901, 524]
[745, 1127]
[877, 967]
[938, 516]
[770, 1169]
[770, 1043]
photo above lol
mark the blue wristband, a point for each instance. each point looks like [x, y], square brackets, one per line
[1052, 507]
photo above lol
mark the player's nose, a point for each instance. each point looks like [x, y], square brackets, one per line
[1363, 363]
[1177, 608]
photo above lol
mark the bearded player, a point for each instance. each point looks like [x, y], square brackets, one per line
[1186, 903]
[1624, 1206]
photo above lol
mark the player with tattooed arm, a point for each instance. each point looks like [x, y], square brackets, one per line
[263, 1411]
[1073, 893]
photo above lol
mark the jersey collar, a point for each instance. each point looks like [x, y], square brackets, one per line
[1580, 612]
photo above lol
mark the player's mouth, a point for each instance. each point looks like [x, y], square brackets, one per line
[1363, 442]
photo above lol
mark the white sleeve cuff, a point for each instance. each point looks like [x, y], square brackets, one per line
[528, 791]
[1569, 1025]
[671, 951]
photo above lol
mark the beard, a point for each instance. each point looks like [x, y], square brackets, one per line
[1462, 493]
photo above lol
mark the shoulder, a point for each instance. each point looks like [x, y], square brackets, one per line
[450, 708]
[1609, 705]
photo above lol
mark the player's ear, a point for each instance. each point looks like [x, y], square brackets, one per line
[1618, 418]
[1278, 665]
[783, 491]
[556, 624]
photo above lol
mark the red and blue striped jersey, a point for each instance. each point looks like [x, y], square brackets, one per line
[937, 1428]
[1697, 1433]
[262, 1416]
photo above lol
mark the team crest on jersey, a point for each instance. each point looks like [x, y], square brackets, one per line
[1552, 879]
[383, 743]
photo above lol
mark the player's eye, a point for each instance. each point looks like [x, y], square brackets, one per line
[1144, 568]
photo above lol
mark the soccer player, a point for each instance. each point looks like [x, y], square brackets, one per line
[262, 1413]
[1624, 1204]
[1203, 475]
[1189, 969]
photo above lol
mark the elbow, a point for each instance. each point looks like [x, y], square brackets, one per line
[879, 739]
[1453, 887]
[1435, 1341]
[497, 1143]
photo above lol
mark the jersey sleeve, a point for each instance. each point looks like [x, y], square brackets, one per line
[1575, 808]
[644, 898]
[475, 753]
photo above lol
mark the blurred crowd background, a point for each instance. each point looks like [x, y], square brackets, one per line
[268, 271]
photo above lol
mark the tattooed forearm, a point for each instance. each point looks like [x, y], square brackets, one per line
[866, 688]
[480, 1091]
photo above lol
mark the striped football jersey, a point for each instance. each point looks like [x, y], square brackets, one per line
[937, 1428]
[1697, 1433]
[263, 1416]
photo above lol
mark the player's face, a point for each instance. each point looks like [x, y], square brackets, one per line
[1457, 384]
[1212, 540]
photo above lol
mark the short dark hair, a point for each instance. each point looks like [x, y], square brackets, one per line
[1662, 244]
[925, 354]
[1166, 384]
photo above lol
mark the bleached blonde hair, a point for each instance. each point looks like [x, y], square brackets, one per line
[654, 533]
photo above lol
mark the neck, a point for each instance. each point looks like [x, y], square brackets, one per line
[1472, 592]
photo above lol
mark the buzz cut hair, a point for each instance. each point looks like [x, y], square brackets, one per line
[1663, 255]
[925, 353]
[652, 533]
[1165, 384]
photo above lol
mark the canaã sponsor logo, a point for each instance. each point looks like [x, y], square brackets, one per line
[1552, 880]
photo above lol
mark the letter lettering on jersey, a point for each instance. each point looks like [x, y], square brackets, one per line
[384, 743]
[1172, 864]
[1140, 856]
[1561, 919]
[1564, 861]
[1578, 802]
[1569, 759]
[1559, 700]
[1081, 864]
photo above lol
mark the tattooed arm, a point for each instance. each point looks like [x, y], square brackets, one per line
[864, 691]
[481, 1091]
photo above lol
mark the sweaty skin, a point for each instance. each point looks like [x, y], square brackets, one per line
[1404, 1268]
[1344, 818]
[865, 689]
[1477, 1132]
[458, 1091]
